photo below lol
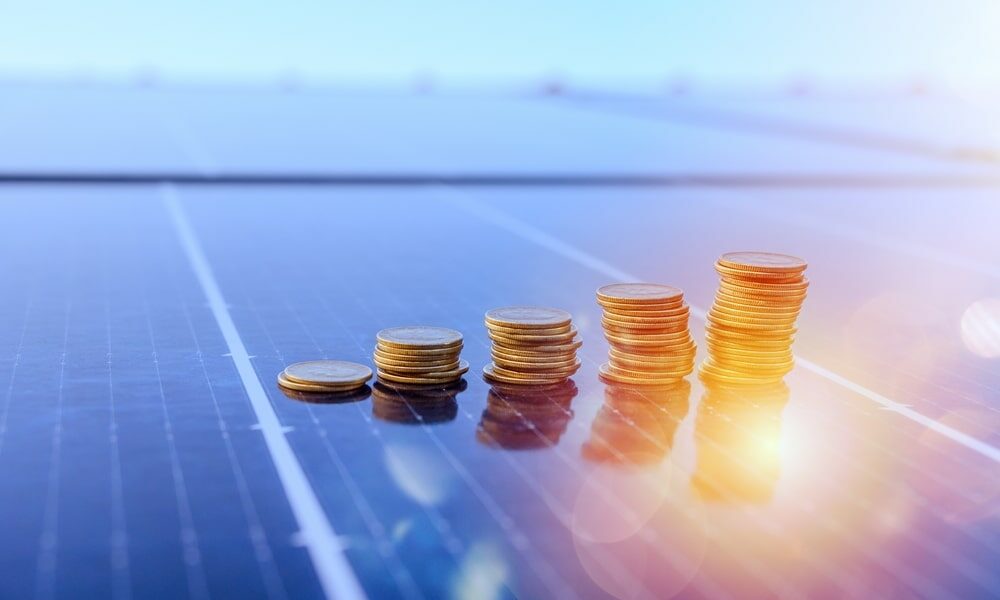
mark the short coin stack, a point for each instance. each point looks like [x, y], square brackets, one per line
[324, 376]
[531, 345]
[647, 327]
[752, 322]
[419, 355]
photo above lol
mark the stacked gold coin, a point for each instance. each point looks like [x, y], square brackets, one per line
[647, 327]
[531, 345]
[324, 376]
[419, 355]
[752, 323]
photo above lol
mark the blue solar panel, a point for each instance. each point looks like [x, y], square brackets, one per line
[146, 450]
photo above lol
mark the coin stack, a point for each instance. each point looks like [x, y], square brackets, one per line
[531, 345]
[752, 322]
[324, 376]
[647, 327]
[419, 355]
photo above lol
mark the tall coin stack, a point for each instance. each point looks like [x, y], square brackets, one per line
[419, 355]
[647, 327]
[531, 345]
[752, 323]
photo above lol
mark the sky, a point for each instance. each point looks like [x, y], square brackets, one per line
[849, 41]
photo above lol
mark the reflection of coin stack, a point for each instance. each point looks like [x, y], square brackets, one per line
[531, 345]
[752, 322]
[647, 327]
[419, 355]
[520, 417]
[401, 403]
[637, 425]
[738, 432]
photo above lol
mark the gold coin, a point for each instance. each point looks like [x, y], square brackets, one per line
[315, 387]
[528, 317]
[608, 376]
[533, 357]
[757, 306]
[746, 370]
[328, 372]
[517, 374]
[754, 319]
[405, 353]
[678, 372]
[428, 379]
[769, 262]
[505, 363]
[526, 339]
[419, 336]
[529, 350]
[644, 328]
[659, 316]
[748, 342]
[744, 319]
[665, 356]
[776, 302]
[798, 287]
[657, 347]
[504, 330]
[763, 330]
[754, 277]
[647, 340]
[740, 293]
[647, 365]
[415, 361]
[489, 372]
[418, 369]
[638, 293]
[764, 355]
[706, 373]
[752, 368]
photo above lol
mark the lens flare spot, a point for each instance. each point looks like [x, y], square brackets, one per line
[981, 328]
[482, 573]
[420, 474]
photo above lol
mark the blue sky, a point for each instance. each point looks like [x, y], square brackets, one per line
[587, 40]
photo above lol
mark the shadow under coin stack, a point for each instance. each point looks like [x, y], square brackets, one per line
[752, 323]
[647, 327]
[531, 345]
[416, 404]
[419, 355]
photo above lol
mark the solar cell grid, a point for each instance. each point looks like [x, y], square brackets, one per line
[147, 451]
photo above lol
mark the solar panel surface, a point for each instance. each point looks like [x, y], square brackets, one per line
[147, 452]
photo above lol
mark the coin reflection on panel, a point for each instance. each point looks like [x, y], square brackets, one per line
[356, 395]
[738, 431]
[416, 404]
[636, 424]
[521, 417]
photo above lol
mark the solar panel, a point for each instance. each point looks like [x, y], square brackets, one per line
[147, 451]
